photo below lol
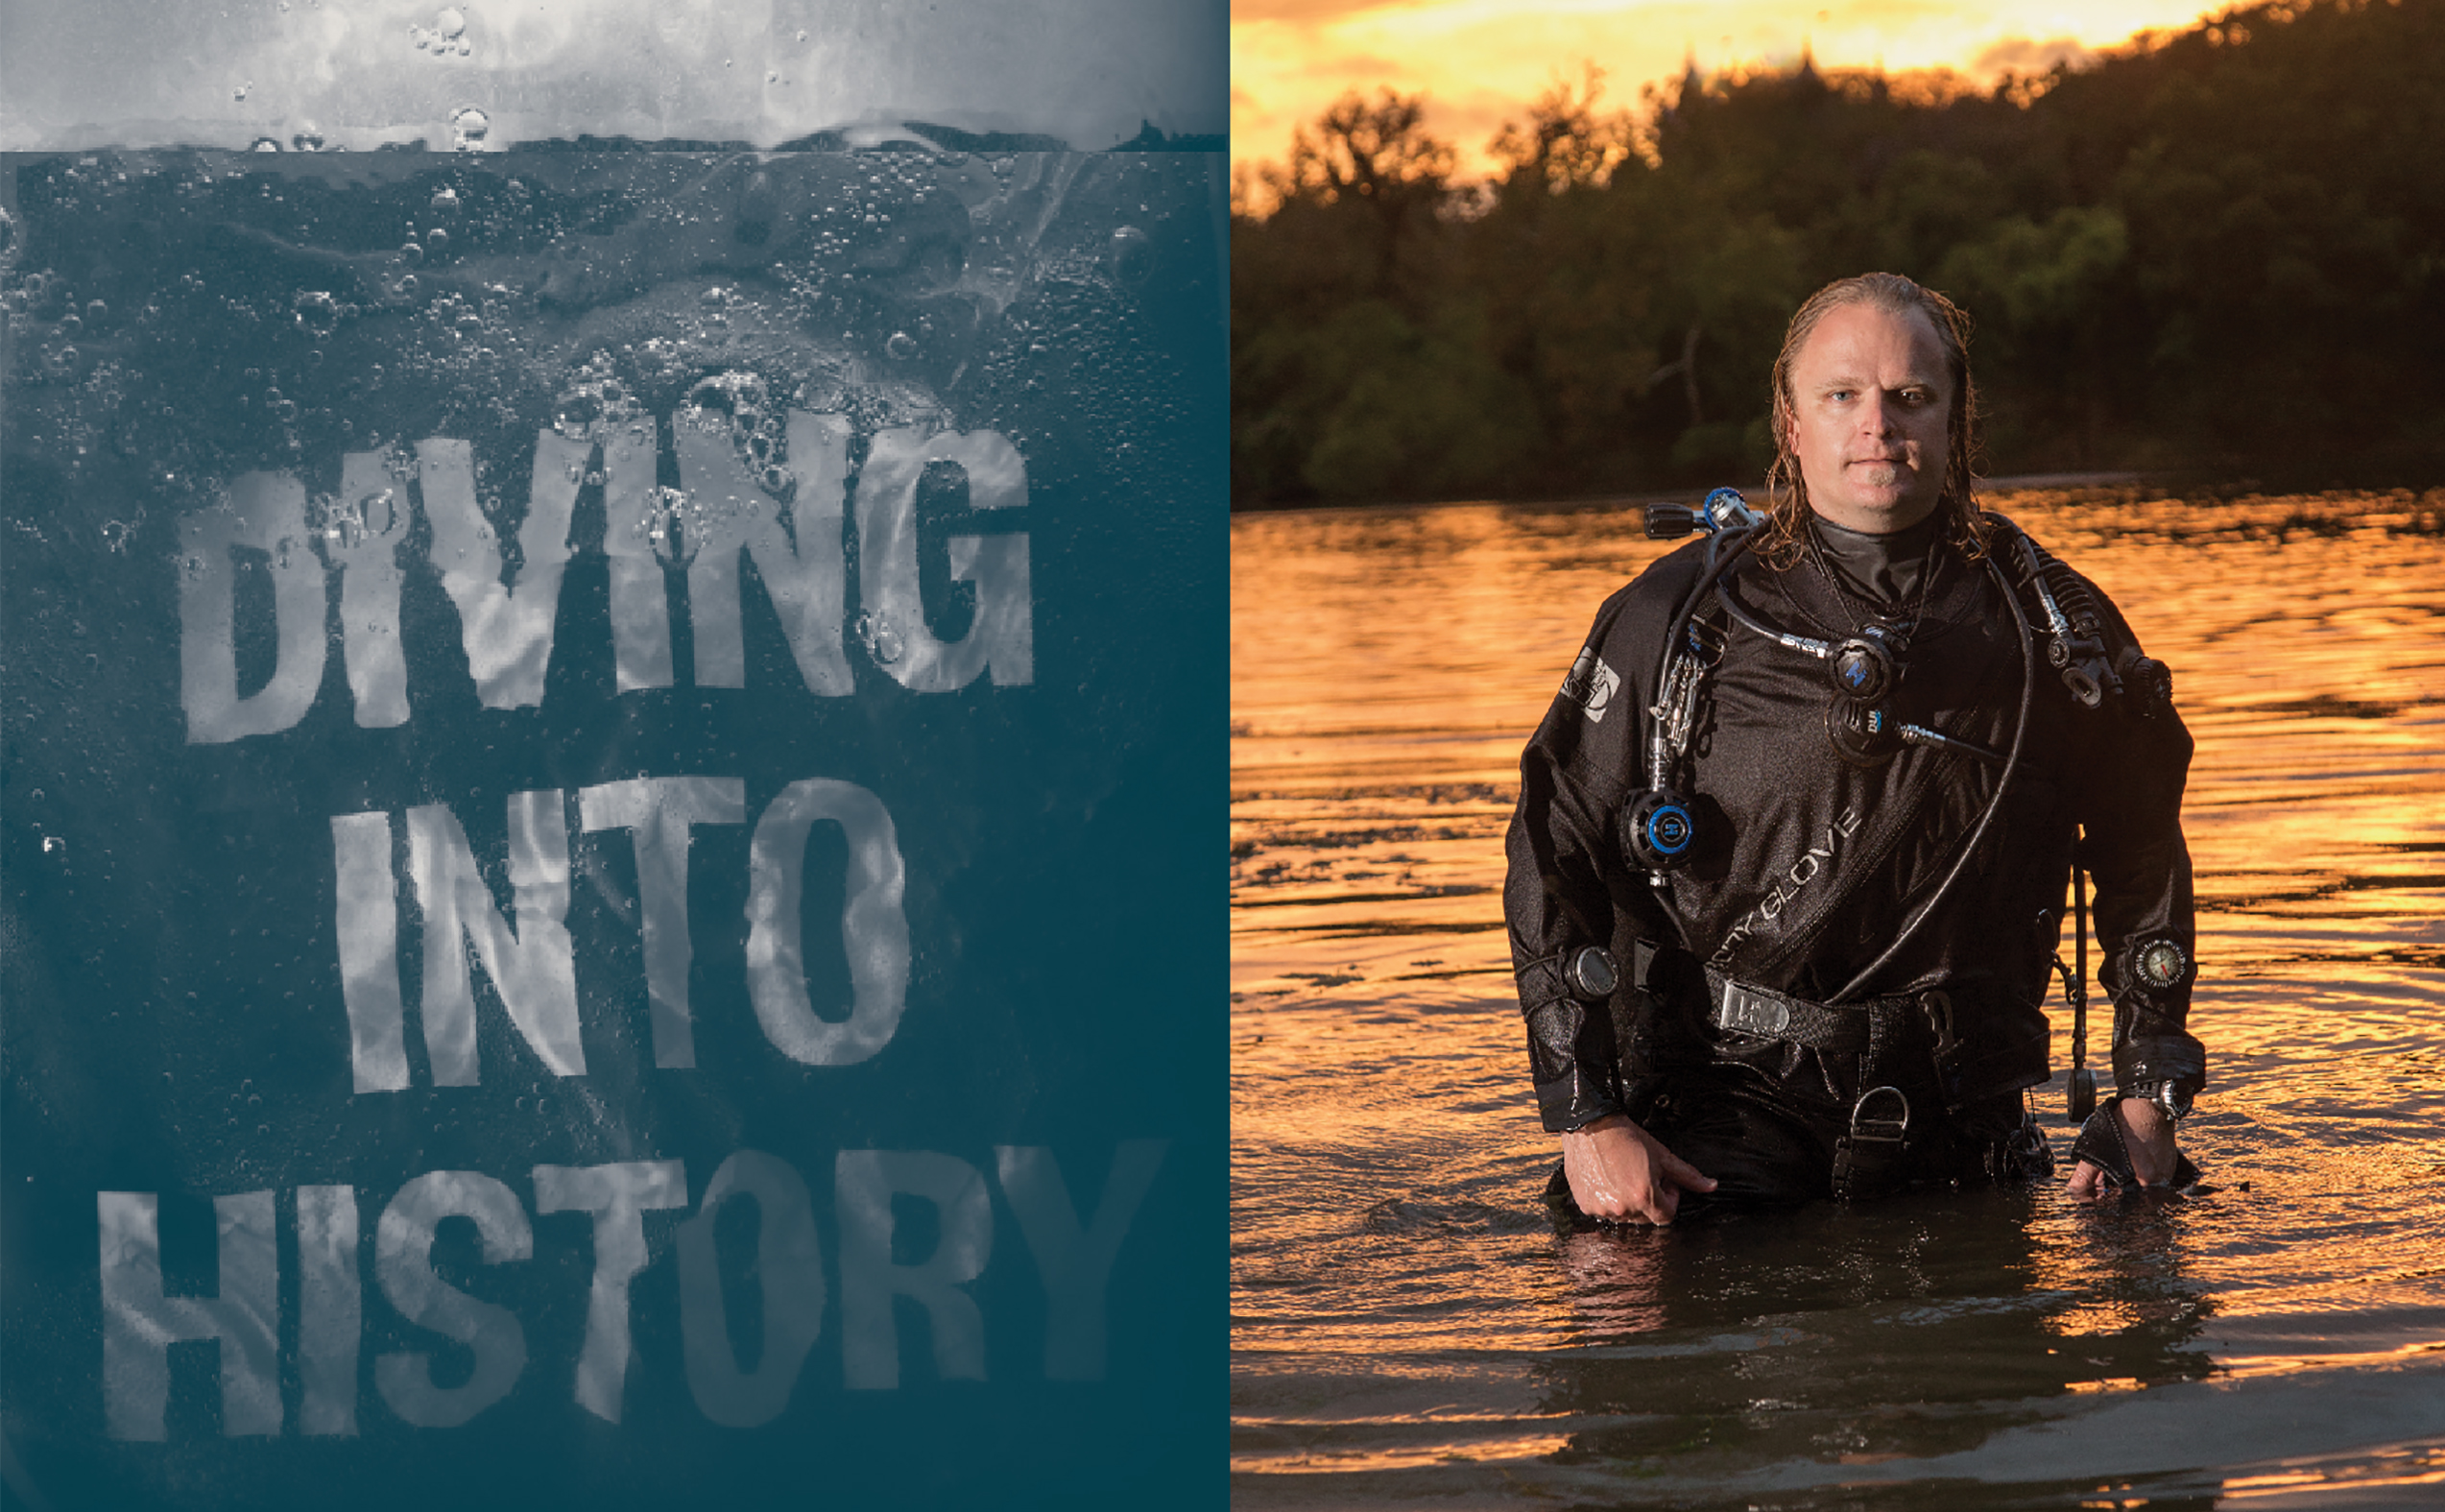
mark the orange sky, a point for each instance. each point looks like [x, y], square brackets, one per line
[1480, 61]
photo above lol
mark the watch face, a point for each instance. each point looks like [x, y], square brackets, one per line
[2162, 963]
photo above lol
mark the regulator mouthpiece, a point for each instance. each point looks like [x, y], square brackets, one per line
[1659, 830]
[1864, 733]
[1863, 668]
[1723, 509]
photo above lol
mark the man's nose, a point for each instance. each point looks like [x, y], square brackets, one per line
[1875, 416]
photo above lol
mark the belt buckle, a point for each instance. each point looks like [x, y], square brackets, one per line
[1752, 1012]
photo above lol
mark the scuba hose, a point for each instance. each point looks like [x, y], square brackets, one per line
[1994, 805]
[1869, 642]
[1661, 828]
[2077, 644]
[1661, 825]
[2080, 1091]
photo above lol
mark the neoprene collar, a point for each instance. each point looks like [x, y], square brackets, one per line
[1881, 569]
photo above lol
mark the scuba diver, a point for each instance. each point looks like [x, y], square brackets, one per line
[1788, 873]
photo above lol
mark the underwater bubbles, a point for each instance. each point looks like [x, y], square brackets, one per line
[1129, 256]
[316, 310]
[468, 126]
[673, 526]
[902, 346]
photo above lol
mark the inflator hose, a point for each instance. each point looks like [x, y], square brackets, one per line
[1680, 627]
[1994, 806]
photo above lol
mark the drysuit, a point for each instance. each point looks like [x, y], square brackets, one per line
[1719, 1030]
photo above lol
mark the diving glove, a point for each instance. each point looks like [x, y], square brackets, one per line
[2101, 1144]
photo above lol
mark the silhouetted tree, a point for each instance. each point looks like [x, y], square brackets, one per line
[2224, 246]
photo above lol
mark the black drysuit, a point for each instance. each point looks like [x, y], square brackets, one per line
[1806, 863]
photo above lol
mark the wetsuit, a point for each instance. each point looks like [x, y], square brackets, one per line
[1721, 1035]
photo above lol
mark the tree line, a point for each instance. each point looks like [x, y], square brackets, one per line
[2221, 248]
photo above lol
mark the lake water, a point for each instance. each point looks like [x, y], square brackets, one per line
[1410, 1329]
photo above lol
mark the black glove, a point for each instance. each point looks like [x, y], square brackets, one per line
[2100, 1143]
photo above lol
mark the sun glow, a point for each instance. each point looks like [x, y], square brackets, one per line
[1480, 61]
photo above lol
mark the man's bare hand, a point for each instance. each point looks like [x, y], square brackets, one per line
[2149, 1135]
[1618, 1170]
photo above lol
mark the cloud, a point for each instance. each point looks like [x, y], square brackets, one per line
[2022, 54]
[1307, 12]
[1381, 70]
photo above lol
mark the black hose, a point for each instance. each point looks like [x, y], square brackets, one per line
[1807, 645]
[1680, 627]
[1994, 806]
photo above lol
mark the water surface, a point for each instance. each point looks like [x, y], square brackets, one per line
[1409, 1330]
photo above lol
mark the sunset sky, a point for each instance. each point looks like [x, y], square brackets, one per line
[1480, 61]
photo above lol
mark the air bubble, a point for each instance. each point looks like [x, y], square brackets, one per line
[881, 641]
[451, 22]
[669, 529]
[264, 144]
[308, 140]
[902, 346]
[412, 254]
[437, 239]
[445, 200]
[1130, 256]
[244, 87]
[468, 126]
[316, 310]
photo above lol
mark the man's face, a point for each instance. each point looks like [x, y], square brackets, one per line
[1870, 411]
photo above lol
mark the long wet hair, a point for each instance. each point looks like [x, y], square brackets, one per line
[1787, 491]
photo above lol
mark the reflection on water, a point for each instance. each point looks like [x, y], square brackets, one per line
[1410, 1329]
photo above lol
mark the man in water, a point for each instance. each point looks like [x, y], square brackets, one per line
[1785, 904]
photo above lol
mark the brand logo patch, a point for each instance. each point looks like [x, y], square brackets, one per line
[1591, 684]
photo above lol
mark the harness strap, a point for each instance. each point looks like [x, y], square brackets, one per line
[1874, 1030]
[1742, 1008]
